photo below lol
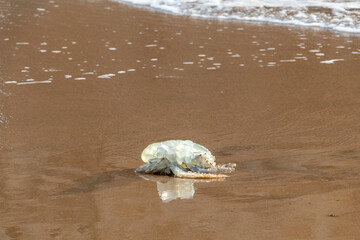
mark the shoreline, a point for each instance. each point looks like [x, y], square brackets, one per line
[270, 21]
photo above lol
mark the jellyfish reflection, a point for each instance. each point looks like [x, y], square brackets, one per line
[171, 188]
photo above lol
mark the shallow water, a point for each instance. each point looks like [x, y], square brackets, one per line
[86, 85]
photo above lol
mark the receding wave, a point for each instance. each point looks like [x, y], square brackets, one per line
[339, 15]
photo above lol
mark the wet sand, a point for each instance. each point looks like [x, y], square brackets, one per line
[86, 85]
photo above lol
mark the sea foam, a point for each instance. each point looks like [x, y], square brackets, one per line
[340, 15]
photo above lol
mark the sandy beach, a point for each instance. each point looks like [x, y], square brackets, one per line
[85, 86]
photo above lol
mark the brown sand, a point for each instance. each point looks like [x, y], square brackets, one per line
[69, 147]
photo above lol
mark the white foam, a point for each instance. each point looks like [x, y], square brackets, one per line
[54, 70]
[305, 58]
[339, 15]
[106, 75]
[33, 82]
[332, 61]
